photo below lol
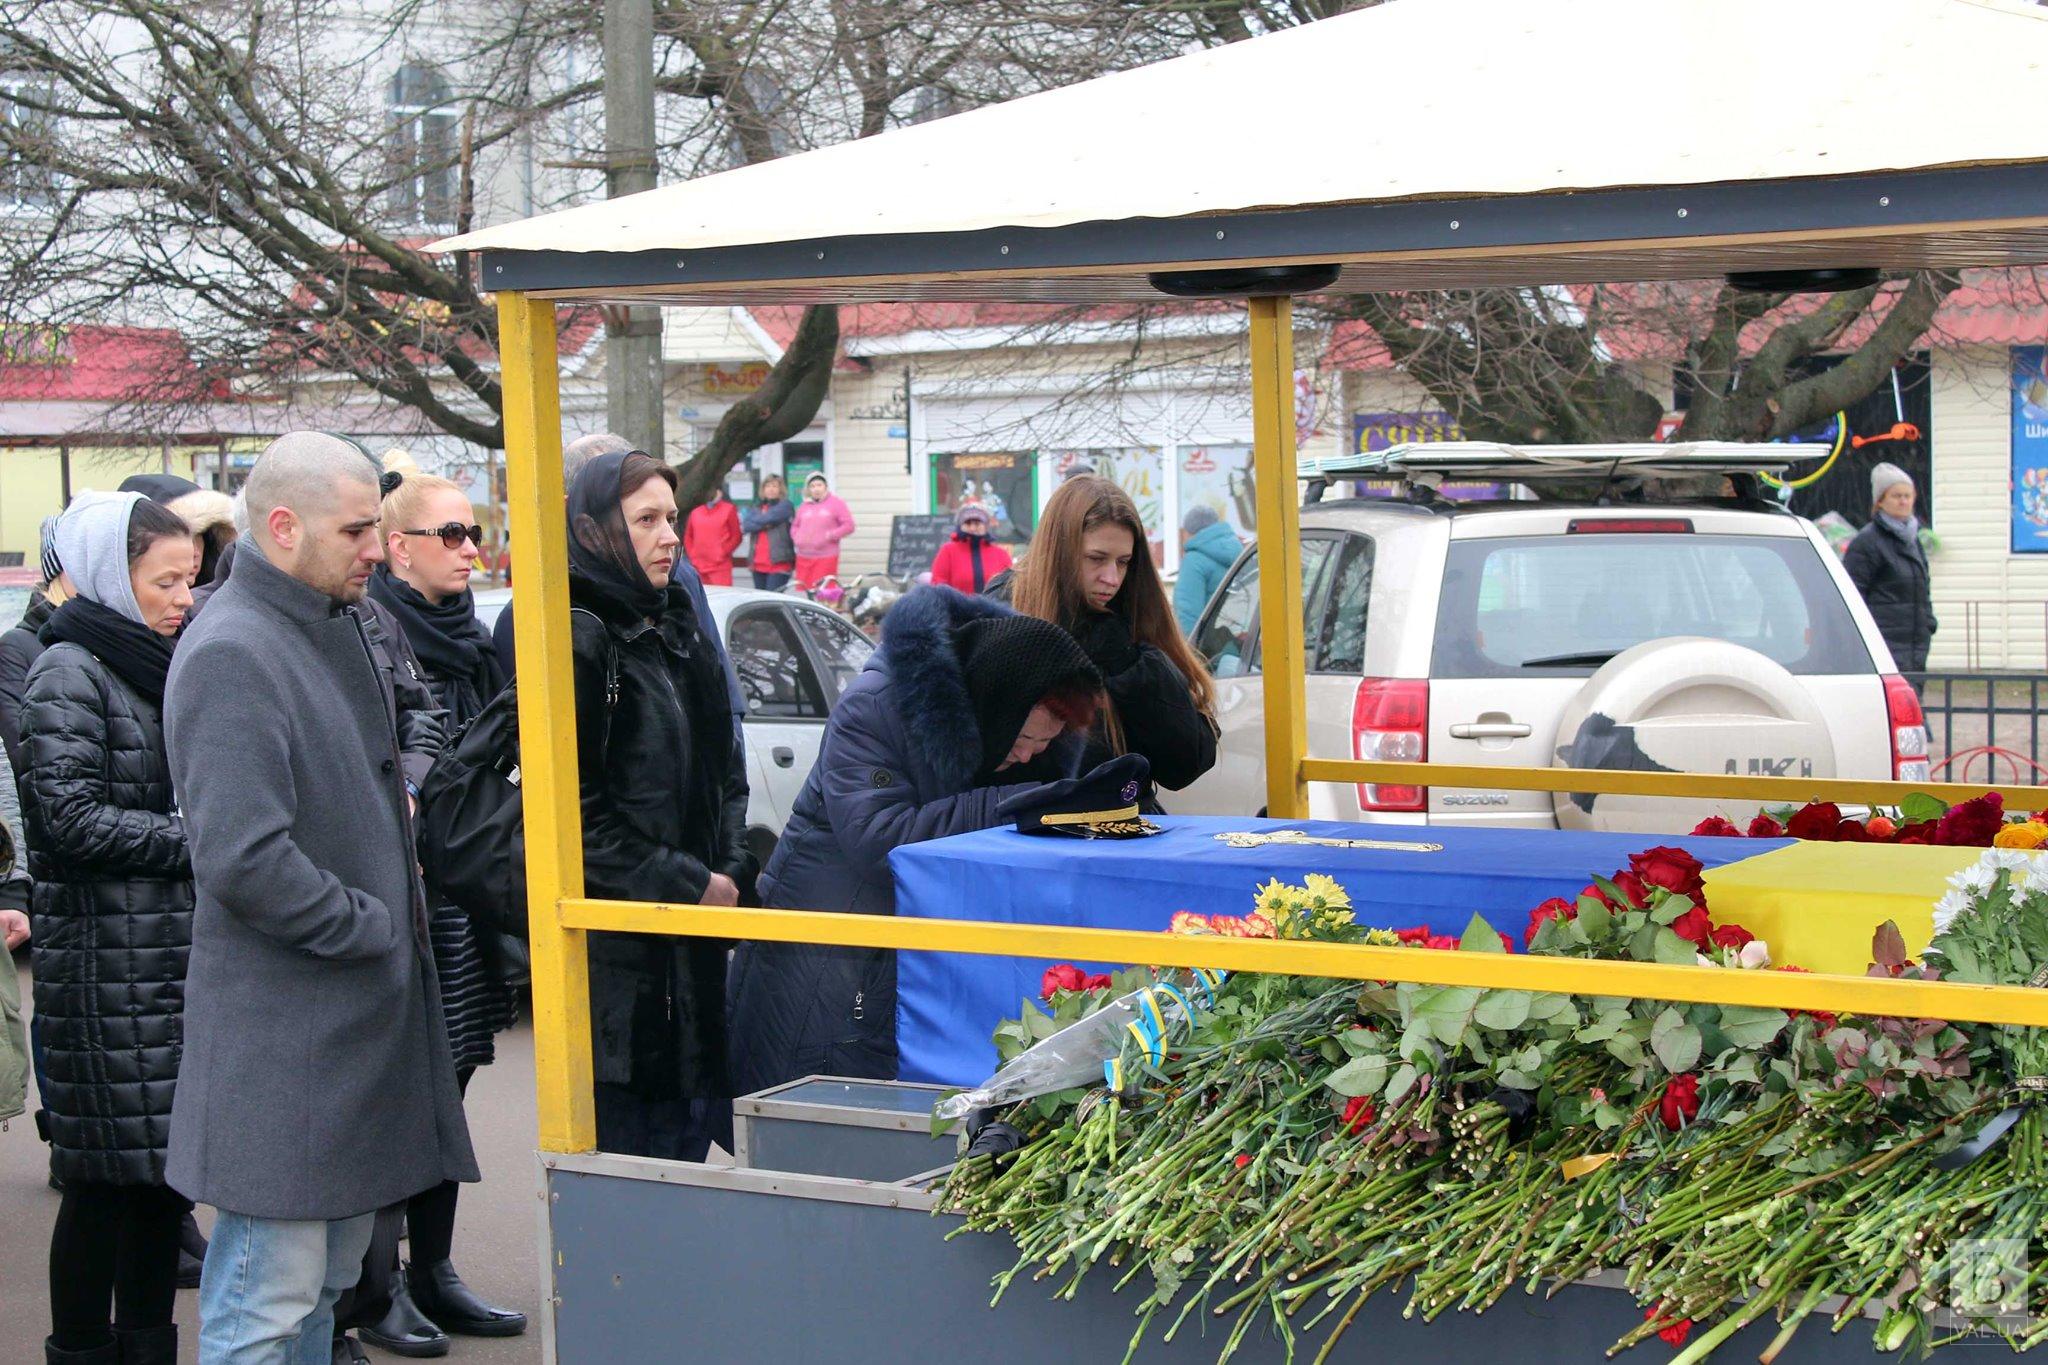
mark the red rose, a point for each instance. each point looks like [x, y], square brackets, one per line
[1414, 936]
[1717, 827]
[1732, 936]
[1635, 888]
[1674, 1335]
[1852, 832]
[1680, 1101]
[1358, 1114]
[1971, 824]
[1671, 868]
[1507, 945]
[1815, 820]
[1764, 827]
[1597, 894]
[1098, 982]
[1881, 827]
[1064, 977]
[1696, 927]
[1919, 832]
[1557, 907]
[1443, 943]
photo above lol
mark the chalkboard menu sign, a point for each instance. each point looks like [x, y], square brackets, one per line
[914, 542]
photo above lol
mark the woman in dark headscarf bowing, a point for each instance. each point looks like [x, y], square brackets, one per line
[664, 811]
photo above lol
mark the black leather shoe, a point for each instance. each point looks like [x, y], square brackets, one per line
[442, 1296]
[148, 1346]
[404, 1330]
[346, 1352]
[109, 1354]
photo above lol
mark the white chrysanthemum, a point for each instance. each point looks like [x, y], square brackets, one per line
[2007, 859]
[1977, 877]
[2036, 882]
[1952, 906]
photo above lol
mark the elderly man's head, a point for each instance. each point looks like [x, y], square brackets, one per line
[312, 509]
[584, 449]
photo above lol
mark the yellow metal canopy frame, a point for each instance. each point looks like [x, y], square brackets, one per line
[560, 915]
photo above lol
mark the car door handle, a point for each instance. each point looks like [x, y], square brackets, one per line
[786, 757]
[1491, 729]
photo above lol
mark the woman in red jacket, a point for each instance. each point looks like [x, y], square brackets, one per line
[970, 559]
[710, 536]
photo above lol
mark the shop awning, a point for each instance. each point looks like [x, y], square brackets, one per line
[1420, 143]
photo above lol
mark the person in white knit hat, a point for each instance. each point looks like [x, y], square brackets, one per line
[1888, 565]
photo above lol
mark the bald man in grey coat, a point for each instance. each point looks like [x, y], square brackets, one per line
[317, 1084]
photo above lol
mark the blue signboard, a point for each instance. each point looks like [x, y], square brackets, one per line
[2030, 450]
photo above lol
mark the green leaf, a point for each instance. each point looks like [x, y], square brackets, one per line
[1359, 1042]
[1742, 1070]
[1479, 937]
[1600, 1030]
[1401, 1082]
[1519, 1080]
[1752, 1026]
[1625, 1050]
[1502, 1010]
[1359, 1076]
[1551, 1005]
[1595, 919]
[1676, 1043]
[1606, 1116]
[1669, 908]
[1919, 806]
[1670, 948]
[1446, 1011]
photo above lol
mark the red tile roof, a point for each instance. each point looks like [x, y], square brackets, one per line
[100, 365]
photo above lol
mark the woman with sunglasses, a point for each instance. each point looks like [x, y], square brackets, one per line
[431, 547]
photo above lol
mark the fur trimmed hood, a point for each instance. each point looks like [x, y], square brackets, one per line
[205, 511]
[930, 685]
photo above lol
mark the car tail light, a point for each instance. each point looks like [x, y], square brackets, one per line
[1628, 526]
[1390, 724]
[1908, 729]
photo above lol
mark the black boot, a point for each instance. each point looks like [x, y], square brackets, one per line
[149, 1346]
[346, 1352]
[404, 1330]
[109, 1354]
[442, 1296]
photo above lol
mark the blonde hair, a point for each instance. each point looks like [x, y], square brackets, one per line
[404, 505]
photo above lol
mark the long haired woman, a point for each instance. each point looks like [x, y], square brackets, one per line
[1090, 572]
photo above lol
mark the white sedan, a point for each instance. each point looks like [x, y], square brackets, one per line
[793, 658]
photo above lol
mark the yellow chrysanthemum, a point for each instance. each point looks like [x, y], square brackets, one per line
[1325, 893]
[2027, 835]
[1382, 938]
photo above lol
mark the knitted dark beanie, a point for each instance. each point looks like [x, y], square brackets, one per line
[1009, 664]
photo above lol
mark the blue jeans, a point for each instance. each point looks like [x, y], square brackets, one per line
[267, 1294]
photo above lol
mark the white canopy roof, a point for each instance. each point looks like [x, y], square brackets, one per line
[1407, 103]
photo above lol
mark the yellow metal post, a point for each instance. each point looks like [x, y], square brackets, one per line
[1273, 471]
[547, 725]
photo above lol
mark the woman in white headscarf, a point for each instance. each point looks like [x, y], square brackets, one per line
[113, 923]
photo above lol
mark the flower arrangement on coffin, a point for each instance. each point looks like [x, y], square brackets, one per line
[1981, 822]
[1302, 1144]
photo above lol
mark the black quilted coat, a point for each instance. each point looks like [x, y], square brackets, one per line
[112, 917]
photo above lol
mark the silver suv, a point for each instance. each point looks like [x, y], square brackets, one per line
[1721, 636]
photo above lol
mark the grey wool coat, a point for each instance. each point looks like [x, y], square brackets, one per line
[317, 1080]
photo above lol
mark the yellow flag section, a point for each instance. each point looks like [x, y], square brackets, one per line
[1816, 904]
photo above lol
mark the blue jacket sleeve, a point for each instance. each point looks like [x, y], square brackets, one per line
[868, 793]
[761, 518]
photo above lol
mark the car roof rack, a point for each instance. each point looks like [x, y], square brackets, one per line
[1430, 463]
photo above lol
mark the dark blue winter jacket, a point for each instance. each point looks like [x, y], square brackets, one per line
[897, 766]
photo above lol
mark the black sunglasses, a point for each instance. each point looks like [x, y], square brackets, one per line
[453, 534]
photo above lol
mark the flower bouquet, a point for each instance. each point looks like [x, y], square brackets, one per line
[1981, 822]
[1298, 1145]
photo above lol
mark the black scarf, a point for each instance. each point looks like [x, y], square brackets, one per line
[447, 636]
[138, 655]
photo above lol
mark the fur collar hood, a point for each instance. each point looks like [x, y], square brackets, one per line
[930, 688]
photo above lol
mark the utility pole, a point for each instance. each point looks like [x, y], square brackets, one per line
[632, 358]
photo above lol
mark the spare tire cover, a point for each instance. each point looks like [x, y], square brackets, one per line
[1686, 705]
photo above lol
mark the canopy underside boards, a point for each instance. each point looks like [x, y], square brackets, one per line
[1985, 215]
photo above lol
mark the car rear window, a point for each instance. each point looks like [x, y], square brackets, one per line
[1560, 606]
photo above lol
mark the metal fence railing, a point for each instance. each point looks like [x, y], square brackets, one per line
[1985, 726]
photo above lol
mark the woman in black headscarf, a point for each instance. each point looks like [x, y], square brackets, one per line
[664, 811]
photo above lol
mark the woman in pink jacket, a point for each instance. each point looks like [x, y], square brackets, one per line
[822, 521]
